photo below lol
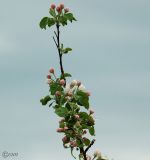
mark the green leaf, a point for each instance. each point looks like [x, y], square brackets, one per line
[61, 112]
[51, 22]
[70, 17]
[92, 131]
[86, 141]
[44, 22]
[45, 100]
[84, 115]
[66, 50]
[52, 12]
[83, 99]
[63, 20]
[55, 87]
[65, 75]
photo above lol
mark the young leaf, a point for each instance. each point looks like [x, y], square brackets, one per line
[83, 99]
[63, 20]
[61, 112]
[66, 50]
[52, 13]
[45, 100]
[44, 22]
[86, 141]
[51, 22]
[92, 131]
[69, 17]
[65, 75]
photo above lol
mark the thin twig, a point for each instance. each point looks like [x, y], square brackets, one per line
[55, 33]
[90, 145]
[55, 42]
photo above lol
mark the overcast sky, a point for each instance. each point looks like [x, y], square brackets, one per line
[111, 56]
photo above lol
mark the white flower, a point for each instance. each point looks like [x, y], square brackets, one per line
[82, 88]
[97, 154]
[73, 83]
[49, 81]
[88, 157]
[67, 89]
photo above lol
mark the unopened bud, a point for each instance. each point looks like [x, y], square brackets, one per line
[60, 130]
[77, 116]
[53, 6]
[66, 10]
[58, 9]
[48, 76]
[61, 6]
[62, 82]
[58, 93]
[51, 70]
[66, 128]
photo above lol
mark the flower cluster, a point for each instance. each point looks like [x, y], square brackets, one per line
[70, 101]
[59, 8]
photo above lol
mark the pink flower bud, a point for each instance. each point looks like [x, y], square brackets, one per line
[66, 10]
[91, 111]
[61, 6]
[84, 132]
[65, 139]
[77, 116]
[53, 6]
[78, 83]
[49, 81]
[60, 130]
[66, 128]
[88, 157]
[51, 70]
[58, 93]
[62, 82]
[62, 120]
[58, 9]
[73, 144]
[88, 94]
[69, 94]
[48, 76]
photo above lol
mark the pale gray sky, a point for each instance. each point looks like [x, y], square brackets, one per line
[111, 46]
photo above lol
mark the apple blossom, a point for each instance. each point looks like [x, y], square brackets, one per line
[62, 120]
[84, 132]
[62, 82]
[51, 70]
[73, 83]
[58, 93]
[60, 130]
[89, 157]
[58, 9]
[53, 6]
[66, 128]
[73, 144]
[48, 76]
[49, 81]
[91, 111]
[82, 88]
[66, 10]
[78, 83]
[97, 153]
[88, 94]
[77, 116]
[68, 99]
[65, 139]
[61, 6]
